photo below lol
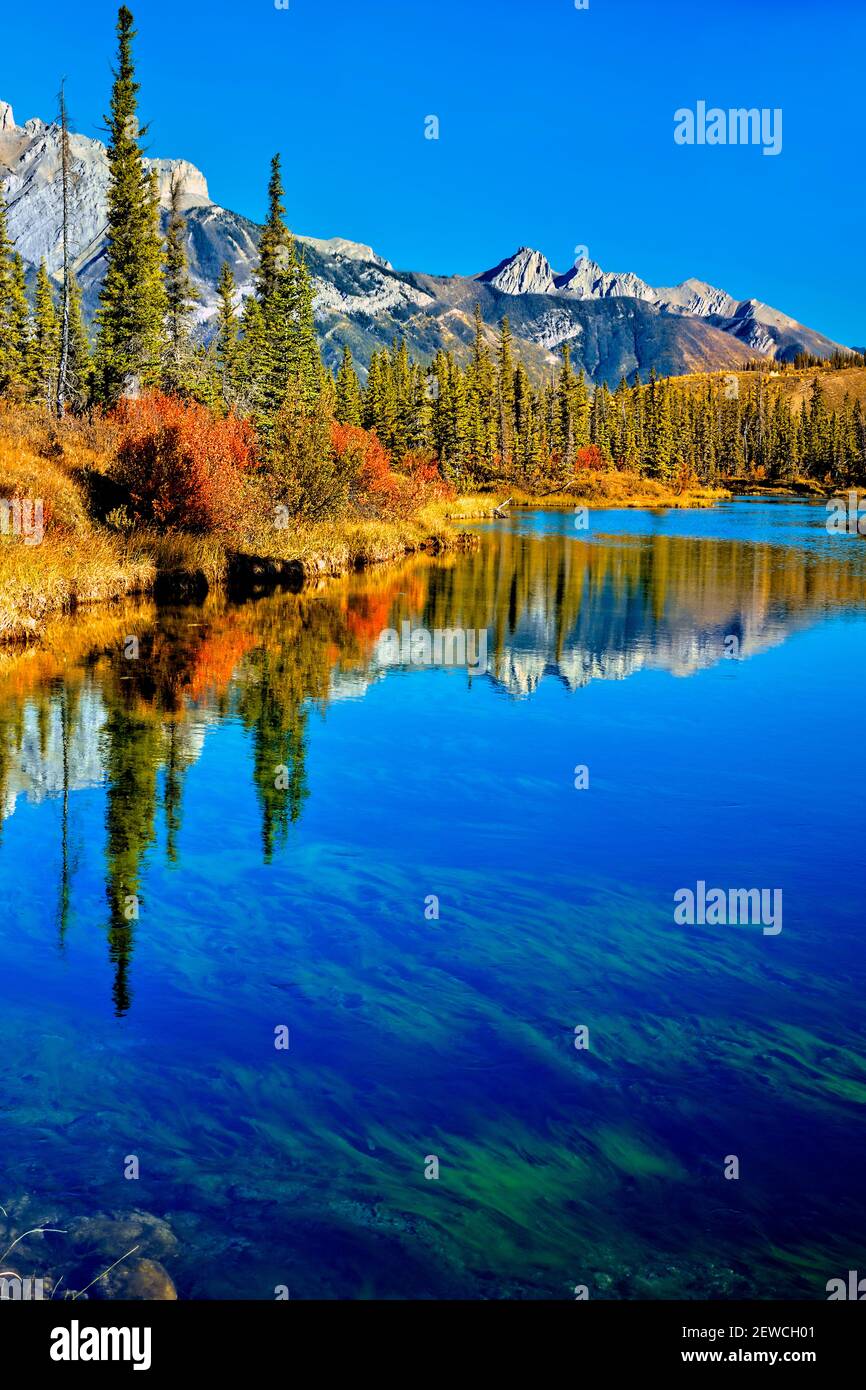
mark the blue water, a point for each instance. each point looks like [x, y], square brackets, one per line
[749, 519]
[415, 1036]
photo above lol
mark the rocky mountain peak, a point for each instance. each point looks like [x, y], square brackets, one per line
[526, 272]
[614, 322]
[30, 161]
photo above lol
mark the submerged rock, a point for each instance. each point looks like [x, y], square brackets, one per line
[135, 1279]
[111, 1255]
[112, 1234]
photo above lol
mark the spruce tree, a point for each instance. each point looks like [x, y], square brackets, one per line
[481, 394]
[525, 426]
[181, 295]
[505, 397]
[269, 327]
[20, 342]
[380, 402]
[79, 366]
[6, 280]
[565, 437]
[227, 344]
[45, 347]
[132, 305]
[15, 362]
[307, 359]
[274, 241]
[348, 404]
[64, 322]
[401, 375]
[279, 333]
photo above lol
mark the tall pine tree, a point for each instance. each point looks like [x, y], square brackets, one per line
[45, 349]
[132, 304]
[181, 295]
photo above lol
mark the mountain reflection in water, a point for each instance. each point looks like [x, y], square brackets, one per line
[81, 712]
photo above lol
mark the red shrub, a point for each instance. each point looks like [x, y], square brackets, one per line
[424, 481]
[183, 465]
[375, 486]
[590, 456]
[362, 454]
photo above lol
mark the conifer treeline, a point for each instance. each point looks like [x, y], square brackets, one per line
[487, 419]
[838, 361]
[30, 335]
[480, 419]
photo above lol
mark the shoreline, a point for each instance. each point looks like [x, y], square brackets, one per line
[103, 567]
[236, 572]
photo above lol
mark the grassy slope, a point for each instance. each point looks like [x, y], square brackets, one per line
[796, 386]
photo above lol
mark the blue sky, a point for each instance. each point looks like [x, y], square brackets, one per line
[556, 128]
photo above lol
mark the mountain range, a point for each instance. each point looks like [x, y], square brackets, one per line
[615, 324]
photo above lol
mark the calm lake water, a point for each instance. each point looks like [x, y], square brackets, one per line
[279, 803]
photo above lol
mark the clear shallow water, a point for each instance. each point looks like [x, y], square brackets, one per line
[304, 906]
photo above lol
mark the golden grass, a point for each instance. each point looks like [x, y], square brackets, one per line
[614, 488]
[76, 561]
[61, 574]
[332, 547]
[26, 473]
[176, 553]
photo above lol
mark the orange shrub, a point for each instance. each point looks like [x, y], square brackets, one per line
[424, 479]
[182, 465]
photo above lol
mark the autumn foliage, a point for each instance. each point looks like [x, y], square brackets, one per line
[181, 464]
[184, 467]
[590, 457]
[362, 456]
[375, 486]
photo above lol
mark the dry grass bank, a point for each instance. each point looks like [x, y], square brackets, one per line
[78, 561]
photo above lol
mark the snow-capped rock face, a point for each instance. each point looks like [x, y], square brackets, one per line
[371, 295]
[587, 280]
[349, 250]
[528, 272]
[758, 326]
[696, 297]
[554, 326]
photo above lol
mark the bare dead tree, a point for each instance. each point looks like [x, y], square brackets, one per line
[64, 320]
